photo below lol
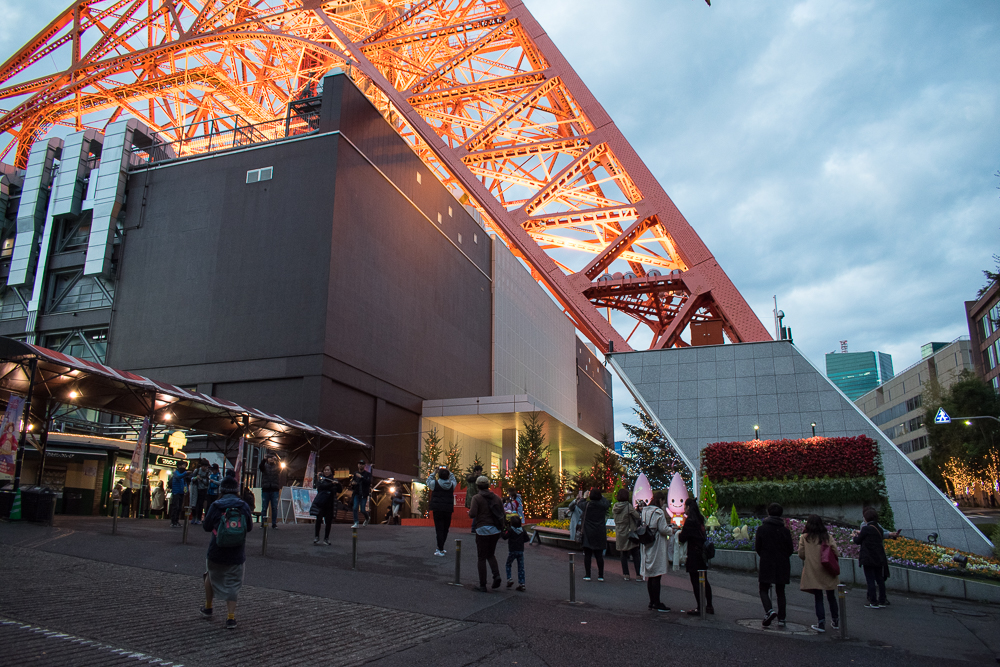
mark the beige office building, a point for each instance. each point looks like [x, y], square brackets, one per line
[897, 407]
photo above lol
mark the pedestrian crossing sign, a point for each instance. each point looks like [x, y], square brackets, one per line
[942, 417]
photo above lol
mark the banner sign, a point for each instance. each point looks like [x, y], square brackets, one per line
[9, 434]
[133, 479]
[239, 459]
[307, 481]
[302, 500]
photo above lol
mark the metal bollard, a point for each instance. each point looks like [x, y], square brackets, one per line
[354, 549]
[842, 604]
[263, 541]
[572, 578]
[458, 563]
[702, 603]
[114, 517]
[184, 535]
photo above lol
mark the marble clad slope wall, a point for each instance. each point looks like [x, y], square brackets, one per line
[701, 395]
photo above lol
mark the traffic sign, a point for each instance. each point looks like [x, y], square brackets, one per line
[942, 417]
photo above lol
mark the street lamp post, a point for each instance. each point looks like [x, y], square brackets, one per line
[814, 428]
[756, 432]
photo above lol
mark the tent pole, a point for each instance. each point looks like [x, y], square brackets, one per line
[25, 417]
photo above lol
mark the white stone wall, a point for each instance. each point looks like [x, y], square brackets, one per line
[533, 341]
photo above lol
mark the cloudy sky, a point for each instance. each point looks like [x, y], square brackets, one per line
[840, 155]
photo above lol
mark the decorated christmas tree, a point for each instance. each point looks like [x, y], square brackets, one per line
[453, 459]
[532, 474]
[607, 468]
[430, 457]
[468, 471]
[649, 452]
[708, 504]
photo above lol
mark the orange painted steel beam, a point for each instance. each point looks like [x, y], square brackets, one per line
[475, 87]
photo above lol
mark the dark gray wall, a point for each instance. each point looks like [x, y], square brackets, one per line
[328, 294]
[593, 394]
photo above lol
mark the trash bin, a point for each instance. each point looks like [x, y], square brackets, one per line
[6, 503]
[29, 501]
[38, 504]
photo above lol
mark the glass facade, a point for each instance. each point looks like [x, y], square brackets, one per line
[857, 373]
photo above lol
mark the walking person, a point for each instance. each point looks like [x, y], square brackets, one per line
[442, 504]
[626, 520]
[595, 534]
[127, 494]
[816, 579]
[487, 516]
[516, 538]
[323, 505]
[693, 534]
[872, 558]
[270, 488]
[398, 501]
[178, 481]
[773, 545]
[229, 520]
[158, 500]
[200, 482]
[361, 487]
[654, 555]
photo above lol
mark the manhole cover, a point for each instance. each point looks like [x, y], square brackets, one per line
[790, 628]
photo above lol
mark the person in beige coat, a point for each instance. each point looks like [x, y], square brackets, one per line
[654, 556]
[815, 578]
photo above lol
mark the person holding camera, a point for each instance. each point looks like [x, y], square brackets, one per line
[270, 488]
[361, 486]
[323, 506]
[442, 504]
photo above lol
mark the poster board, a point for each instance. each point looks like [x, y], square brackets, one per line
[302, 500]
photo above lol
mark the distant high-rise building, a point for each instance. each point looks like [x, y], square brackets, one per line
[857, 373]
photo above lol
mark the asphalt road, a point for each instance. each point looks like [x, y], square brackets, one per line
[76, 595]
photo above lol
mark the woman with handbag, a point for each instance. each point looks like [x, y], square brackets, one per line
[820, 570]
[654, 554]
[693, 534]
[325, 501]
[626, 519]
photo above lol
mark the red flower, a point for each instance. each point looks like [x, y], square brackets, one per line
[777, 459]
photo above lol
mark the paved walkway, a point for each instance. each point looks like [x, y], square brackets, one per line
[75, 594]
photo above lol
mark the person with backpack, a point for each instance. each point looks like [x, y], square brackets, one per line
[178, 481]
[693, 534]
[488, 517]
[817, 578]
[773, 545]
[626, 519]
[654, 524]
[595, 535]
[229, 519]
[323, 505]
[516, 538]
[442, 504]
[872, 558]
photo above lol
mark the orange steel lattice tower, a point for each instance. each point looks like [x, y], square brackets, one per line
[475, 87]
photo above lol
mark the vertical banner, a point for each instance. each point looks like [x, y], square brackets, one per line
[307, 482]
[134, 476]
[9, 436]
[238, 468]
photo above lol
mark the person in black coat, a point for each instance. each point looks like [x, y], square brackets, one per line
[872, 558]
[442, 504]
[694, 535]
[327, 489]
[774, 547]
[595, 534]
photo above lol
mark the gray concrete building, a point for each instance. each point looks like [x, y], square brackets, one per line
[897, 406]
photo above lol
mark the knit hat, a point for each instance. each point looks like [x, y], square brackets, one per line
[229, 484]
[483, 482]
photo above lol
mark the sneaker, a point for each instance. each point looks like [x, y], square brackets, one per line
[626, 577]
[661, 608]
[496, 582]
[818, 627]
[206, 612]
[835, 624]
[482, 589]
[326, 542]
[230, 624]
[883, 603]
[781, 624]
[693, 612]
[600, 578]
[366, 522]
[639, 579]
[710, 610]
[510, 582]
[355, 525]
[437, 552]
[274, 527]
[316, 541]
[520, 588]
[871, 605]
[586, 578]
[768, 617]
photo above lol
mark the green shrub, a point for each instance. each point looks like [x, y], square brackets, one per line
[826, 491]
[734, 518]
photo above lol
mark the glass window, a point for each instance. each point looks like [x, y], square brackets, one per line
[71, 292]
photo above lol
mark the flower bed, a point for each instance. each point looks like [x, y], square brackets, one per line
[563, 524]
[904, 551]
[780, 459]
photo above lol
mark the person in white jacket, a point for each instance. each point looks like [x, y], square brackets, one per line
[654, 556]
